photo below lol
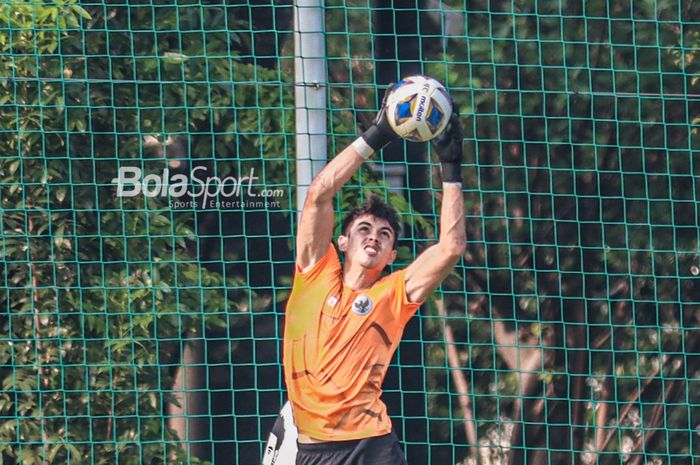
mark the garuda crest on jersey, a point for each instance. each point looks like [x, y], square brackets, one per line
[362, 305]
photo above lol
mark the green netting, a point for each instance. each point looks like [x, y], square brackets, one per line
[147, 328]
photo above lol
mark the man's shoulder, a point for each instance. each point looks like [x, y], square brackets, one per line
[325, 270]
[390, 282]
[329, 261]
[390, 292]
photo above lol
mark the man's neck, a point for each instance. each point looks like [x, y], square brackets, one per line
[358, 278]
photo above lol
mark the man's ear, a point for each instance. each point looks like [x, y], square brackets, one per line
[342, 243]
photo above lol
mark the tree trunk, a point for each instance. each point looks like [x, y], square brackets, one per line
[460, 382]
[190, 419]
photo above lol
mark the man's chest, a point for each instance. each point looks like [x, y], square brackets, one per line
[353, 321]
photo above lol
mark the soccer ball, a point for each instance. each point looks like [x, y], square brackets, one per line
[418, 108]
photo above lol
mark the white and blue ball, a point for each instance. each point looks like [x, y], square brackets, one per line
[418, 108]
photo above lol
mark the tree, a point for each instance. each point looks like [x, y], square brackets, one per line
[580, 264]
[101, 290]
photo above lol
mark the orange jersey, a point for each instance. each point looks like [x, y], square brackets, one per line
[337, 347]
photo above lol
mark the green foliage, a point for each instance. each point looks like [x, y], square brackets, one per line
[99, 289]
[580, 192]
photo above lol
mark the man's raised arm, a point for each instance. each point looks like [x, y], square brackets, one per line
[316, 222]
[426, 273]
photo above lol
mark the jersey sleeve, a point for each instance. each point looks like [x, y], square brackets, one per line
[403, 308]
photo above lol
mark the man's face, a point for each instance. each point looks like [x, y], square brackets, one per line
[369, 242]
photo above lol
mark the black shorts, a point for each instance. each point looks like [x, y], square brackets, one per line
[380, 450]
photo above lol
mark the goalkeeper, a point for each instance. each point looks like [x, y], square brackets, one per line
[344, 321]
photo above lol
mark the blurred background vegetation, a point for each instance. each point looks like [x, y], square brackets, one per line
[133, 332]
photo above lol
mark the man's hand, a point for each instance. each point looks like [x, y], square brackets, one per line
[380, 134]
[448, 146]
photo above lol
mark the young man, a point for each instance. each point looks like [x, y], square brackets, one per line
[344, 321]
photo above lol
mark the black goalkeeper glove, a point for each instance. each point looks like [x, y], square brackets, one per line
[380, 134]
[448, 146]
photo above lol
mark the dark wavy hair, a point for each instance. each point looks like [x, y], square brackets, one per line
[377, 207]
